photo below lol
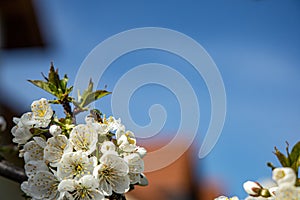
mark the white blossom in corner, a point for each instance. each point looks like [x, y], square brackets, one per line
[287, 192]
[284, 175]
[43, 185]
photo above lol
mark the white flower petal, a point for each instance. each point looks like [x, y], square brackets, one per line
[121, 184]
[66, 185]
[89, 181]
[105, 187]
[55, 148]
[40, 141]
[21, 134]
[33, 167]
[135, 163]
[107, 146]
[33, 151]
[44, 186]
[84, 138]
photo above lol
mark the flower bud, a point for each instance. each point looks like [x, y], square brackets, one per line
[284, 175]
[55, 130]
[252, 188]
[141, 151]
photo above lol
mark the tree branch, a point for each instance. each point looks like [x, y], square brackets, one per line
[12, 172]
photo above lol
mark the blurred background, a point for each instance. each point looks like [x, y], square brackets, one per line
[254, 43]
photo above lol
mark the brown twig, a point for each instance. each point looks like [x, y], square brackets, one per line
[12, 172]
[116, 196]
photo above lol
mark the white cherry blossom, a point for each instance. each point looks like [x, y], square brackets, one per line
[141, 151]
[55, 148]
[74, 165]
[136, 167]
[83, 189]
[287, 192]
[42, 112]
[284, 175]
[42, 186]
[84, 138]
[34, 150]
[112, 174]
[21, 131]
[126, 140]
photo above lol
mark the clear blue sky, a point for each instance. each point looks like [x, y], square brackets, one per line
[255, 44]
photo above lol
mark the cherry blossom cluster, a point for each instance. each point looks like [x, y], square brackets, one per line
[285, 189]
[64, 160]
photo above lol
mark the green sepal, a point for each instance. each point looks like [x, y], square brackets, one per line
[282, 158]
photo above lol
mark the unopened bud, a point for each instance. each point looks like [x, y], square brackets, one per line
[252, 188]
[55, 130]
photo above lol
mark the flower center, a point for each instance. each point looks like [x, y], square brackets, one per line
[280, 174]
[78, 169]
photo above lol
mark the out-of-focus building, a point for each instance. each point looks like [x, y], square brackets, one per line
[177, 181]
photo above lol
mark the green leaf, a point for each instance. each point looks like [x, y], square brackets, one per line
[94, 96]
[88, 96]
[295, 157]
[54, 85]
[295, 153]
[53, 76]
[282, 158]
[63, 83]
[43, 85]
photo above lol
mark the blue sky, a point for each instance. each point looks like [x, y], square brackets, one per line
[255, 45]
